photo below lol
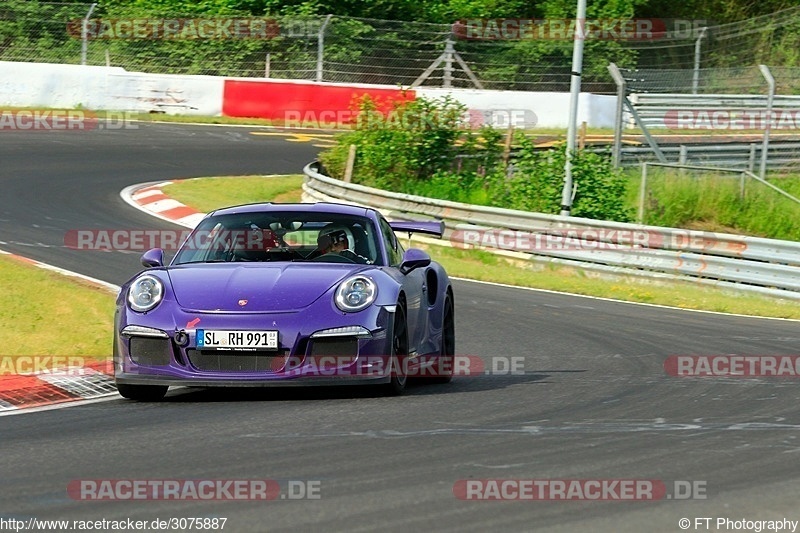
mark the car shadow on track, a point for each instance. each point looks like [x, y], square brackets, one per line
[415, 387]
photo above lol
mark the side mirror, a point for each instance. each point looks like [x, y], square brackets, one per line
[153, 258]
[414, 258]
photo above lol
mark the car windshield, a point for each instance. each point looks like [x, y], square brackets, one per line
[281, 236]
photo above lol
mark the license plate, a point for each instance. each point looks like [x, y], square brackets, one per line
[209, 339]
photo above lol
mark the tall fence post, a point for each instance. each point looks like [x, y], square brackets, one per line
[568, 193]
[768, 126]
[696, 73]
[321, 47]
[449, 52]
[85, 34]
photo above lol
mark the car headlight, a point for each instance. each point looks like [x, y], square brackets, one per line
[145, 293]
[355, 294]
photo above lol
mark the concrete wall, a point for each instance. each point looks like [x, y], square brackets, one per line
[113, 88]
[107, 88]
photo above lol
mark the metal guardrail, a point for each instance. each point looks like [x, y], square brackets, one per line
[768, 266]
[780, 155]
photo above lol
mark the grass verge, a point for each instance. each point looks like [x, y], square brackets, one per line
[485, 266]
[207, 194]
[45, 313]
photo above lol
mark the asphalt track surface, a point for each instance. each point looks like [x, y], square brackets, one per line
[594, 401]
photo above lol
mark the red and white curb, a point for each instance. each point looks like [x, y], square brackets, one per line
[59, 385]
[95, 381]
[151, 199]
[40, 389]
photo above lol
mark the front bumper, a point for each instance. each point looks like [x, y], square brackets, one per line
[160, 352]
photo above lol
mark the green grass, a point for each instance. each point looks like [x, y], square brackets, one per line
[693, 200]
[714, 203]
[485, 266]
[46, 313]
[207, 194]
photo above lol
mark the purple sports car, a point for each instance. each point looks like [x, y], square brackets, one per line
[282, 295]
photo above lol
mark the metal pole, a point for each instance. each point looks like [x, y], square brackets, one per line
[770, 98]
[85, 34]
[574, 95]
[449, 52]
[621, 94]
[696, 74]
[267, 65]
[682, 157]
[321, 46]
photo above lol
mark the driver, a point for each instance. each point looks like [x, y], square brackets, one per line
[335, 242]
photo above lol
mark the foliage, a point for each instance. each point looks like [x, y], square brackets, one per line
[409, 142]
[538, 181]
[424, 150]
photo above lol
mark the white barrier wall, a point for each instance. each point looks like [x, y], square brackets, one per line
[530, 109]
[107, 88]
[115, 89]
[54, 86]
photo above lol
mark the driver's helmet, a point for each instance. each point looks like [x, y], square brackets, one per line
[331, 235]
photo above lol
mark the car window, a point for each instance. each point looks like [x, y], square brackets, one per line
[393, 248]
[278, 236]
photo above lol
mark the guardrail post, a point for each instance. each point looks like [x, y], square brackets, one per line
[751, 163]
[742, 176]
[642, 187]
[682, 156]
[351, 162]
[768, 126]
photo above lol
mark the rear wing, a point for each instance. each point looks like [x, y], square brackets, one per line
[429, 228]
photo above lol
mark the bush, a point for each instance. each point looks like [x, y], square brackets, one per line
[538, 182]
[420, 147]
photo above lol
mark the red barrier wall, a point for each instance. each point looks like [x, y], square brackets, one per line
[300, 101]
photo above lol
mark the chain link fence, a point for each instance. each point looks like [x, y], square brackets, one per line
[700, 58]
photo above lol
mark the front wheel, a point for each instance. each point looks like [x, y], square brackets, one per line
[399, 355]
[142, 393]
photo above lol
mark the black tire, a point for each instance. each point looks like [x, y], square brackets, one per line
[142, 393]
[448, 348]
[399, 355]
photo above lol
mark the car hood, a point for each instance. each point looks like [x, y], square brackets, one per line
[257, 287]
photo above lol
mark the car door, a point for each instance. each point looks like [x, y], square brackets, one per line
[413, 287]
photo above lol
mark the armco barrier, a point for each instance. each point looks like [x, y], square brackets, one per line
[768, 266]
